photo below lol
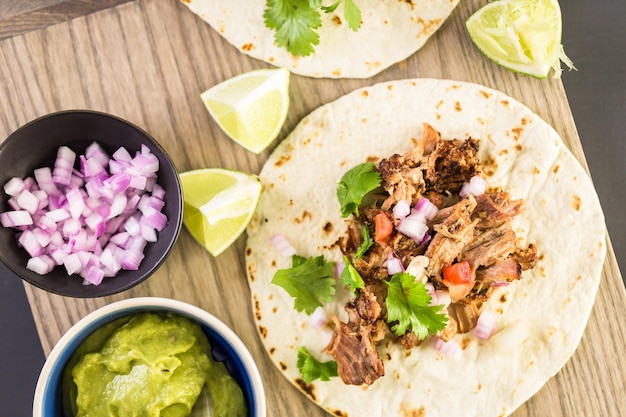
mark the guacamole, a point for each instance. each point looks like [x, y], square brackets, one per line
[149, 365]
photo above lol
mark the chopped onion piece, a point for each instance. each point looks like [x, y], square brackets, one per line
[339, 267]
[94, 275]
[14, 186]
[41, 265]
[15, 218]
[426, 208]
[486, 324]
[394, 265]
[413, 226]
[476, 186]
[500, 283]
[318, 318]
[402, 209]
[451, 348]
[280, 242]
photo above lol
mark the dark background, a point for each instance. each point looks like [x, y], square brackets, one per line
[594, 36]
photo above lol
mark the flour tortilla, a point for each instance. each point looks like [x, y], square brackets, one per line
[524, 156]
[391, 31]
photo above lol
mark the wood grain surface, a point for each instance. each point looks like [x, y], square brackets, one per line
[148, 61]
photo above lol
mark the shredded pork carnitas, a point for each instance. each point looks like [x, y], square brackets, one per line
[475, 229]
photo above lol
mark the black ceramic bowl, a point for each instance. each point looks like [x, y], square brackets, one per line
[35, 145]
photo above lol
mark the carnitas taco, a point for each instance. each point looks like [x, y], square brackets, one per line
[342, 39]
[423, 247]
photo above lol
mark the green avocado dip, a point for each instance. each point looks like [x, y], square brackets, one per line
[149, 365]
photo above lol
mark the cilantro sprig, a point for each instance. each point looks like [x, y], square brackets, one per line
[365, 244]
[355, 184]
[310, 281]
[295, 22]
[408, 305]
[350, 276]
[312, 369]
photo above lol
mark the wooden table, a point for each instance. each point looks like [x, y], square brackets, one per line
[148, 60]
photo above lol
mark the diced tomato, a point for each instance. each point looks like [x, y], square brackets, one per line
[458, 278]
[382, 227]
[458, 273]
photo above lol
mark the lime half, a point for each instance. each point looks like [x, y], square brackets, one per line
[521, 35]
[251, 108]
[219, 204]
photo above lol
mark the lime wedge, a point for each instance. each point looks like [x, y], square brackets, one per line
[521, 35]
[218, 205]
[251, 108]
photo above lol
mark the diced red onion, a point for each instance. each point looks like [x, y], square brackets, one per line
[29, 242]
[66, 216]
[16, 218]
[63, 165]
[14, 186]
[476, 186]
[122, 155]
[41, 264]
[318, 318]
[154, 218]
[426, 208]
[339, 267]
[394, 265]
[413, 226]
[450, 348]
[500, 283]
[28, 201]
[72, 263]
[282, 245]
[43, 176]
[94, 275]
[486, 324]
[401, 209]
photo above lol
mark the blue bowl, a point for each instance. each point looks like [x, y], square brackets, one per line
[225, 344]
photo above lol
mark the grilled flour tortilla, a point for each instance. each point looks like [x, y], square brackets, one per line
[391, 30]
[521, 154]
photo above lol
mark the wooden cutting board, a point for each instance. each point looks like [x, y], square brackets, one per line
[148, 61]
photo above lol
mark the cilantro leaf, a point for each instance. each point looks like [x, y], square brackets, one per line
[350, 276]
[312, 369]
[354, 185]
[352, 14]
[332, 7]
[294, 22]
[309, 281]
[407, 303]
[366, 244]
